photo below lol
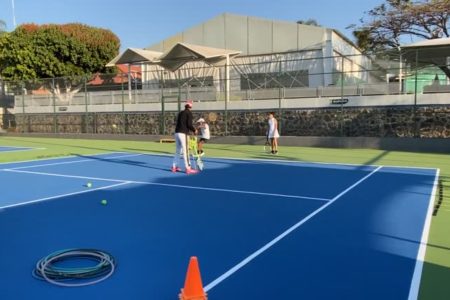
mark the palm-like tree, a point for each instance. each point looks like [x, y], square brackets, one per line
[311, 22]
[2, 26]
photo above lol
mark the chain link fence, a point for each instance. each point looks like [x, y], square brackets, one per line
[397, 94]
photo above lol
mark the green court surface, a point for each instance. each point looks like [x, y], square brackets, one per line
[436, 272]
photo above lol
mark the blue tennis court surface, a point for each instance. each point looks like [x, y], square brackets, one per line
[260, 229]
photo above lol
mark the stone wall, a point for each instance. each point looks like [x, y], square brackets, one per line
[399, 121]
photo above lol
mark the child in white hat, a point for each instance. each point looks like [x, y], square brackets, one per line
[204, 135]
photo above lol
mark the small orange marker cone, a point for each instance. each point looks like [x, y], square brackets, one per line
[193, 287]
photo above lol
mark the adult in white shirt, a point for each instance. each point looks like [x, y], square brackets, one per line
[272, 133]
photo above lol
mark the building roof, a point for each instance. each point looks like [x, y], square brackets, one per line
[250, 35]
[428, 43]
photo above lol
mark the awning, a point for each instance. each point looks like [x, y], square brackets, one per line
[134, 55]
[433, 51]
[182, 53]
[428, 43]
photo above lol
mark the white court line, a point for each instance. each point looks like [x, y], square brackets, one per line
[284, 234]
[65, 176]
[319, 163]
[20, 149]
[168, 185]
[415, 281]
[233, 191]
[71, 162]
[300, 162]
[64, 195]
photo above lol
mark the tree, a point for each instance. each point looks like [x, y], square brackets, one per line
[2, 27]
[66, 53]
[311, 22]
[395, 19]
[42, 51]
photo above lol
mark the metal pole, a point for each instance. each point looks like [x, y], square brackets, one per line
[416, 134]
[86, 106]
[13, 13]
[162, 103]
[123, 105]
[179, 91]
[400, 71]
[163, 117]
[227, 79]
[342, 97]
[136, 87]
[55, 123]
[280, 96]
[227, 91]
[23, 106]
[129, 83]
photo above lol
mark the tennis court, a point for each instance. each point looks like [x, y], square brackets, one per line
[261, 229]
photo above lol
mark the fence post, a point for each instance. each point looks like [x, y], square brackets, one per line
[55, 121]
[123, 105]
[161, 85]
[342, 96]
[227, 91]
[415, 123]
[163, 116]
[179, 90]
[86, 129]
[280, 97]
[24, 122]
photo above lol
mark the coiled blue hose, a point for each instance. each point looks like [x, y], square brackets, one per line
[47, 268]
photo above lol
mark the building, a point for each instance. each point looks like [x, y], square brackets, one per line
[274, 54]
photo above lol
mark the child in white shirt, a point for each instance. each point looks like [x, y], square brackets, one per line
[204, 135]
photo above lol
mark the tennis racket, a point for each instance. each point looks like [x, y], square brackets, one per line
[192, 145]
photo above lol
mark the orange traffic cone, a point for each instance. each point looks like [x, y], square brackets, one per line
[193, 287]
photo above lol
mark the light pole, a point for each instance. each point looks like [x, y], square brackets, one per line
[400, 71]
[13, 13]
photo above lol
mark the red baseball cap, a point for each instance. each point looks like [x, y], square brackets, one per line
[188, 103]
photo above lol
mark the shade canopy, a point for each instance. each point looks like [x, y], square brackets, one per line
[182, 53]
[429, 43]
[134, 55]
[176, 57]
[433, 51]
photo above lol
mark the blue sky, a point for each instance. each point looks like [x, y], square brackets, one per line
[140, 23]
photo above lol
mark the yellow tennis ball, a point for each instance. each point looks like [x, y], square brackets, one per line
[104, 202]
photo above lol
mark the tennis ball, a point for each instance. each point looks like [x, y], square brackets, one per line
[89, 184]
[104, 202]
[114, 126]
